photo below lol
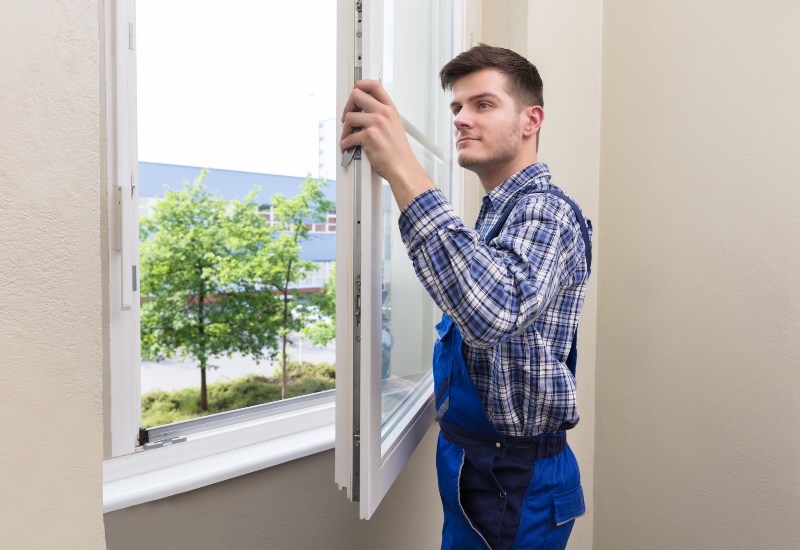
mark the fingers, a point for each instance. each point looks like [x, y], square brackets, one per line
[375, 89]
[368, 96]
[370, 120]
[353, 122]
[362, 110]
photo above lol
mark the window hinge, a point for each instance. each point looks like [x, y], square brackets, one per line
[144, 437]
[144, 440]
[164, 442]
[130, 35]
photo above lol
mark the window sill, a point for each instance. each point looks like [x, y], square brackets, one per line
[216, 455]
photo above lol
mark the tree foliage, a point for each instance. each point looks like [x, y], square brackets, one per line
[210, 270]
[280, 261]
[320, 327]
[217, 278]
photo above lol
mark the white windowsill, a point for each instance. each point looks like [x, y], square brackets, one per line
[216, 455]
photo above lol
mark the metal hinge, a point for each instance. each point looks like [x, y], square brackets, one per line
[130, 36]
[144, 437]
[144, 440]
[164, 442]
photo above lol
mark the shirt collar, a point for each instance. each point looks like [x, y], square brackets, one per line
[501, 194]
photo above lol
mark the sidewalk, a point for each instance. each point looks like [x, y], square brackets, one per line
[177, 374]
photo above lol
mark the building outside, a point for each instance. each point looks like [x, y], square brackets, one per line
[320, 247]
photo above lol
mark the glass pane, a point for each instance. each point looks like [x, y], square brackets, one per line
[415, 44]
[233, 313]
[409, 314]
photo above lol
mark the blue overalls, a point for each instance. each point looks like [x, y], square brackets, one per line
[498, 491]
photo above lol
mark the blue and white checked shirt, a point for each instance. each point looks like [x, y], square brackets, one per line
[515, 300]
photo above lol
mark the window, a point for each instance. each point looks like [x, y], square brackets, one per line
[384, 404]
[383, 381]
[163, 95]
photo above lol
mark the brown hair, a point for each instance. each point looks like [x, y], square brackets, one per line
[525, 84]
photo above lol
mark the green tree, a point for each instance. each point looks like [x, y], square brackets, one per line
[320, 325]
[279, 262]
[199, 299]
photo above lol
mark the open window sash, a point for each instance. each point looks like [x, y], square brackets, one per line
[385, 319]
[123, 249]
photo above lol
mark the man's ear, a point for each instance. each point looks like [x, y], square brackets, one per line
[534, 116]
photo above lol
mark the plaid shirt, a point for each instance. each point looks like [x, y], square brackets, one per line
[516, 301]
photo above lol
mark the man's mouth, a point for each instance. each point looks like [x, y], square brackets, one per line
[464, 139]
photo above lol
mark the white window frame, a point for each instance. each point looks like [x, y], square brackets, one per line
[133, 476]
[368, 461]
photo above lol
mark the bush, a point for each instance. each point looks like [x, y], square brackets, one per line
[162, 407]
[295, 370]
[310, 385]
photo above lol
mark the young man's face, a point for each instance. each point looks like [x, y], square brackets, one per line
[489, 128]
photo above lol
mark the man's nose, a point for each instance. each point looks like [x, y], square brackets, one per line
[462, 120]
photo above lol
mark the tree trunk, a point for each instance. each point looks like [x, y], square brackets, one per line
[201, 329]
[284, 378]
[203, 389]
[285, 337]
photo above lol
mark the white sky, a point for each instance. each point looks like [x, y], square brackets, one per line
[235, 84]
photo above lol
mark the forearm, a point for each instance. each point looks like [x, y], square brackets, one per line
[409, 182]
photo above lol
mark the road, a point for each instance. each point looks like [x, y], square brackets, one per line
[177, 374]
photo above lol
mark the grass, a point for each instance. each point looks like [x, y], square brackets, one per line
[162, 407]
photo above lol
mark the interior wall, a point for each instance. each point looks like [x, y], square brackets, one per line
[564, 41]
[292, 506]
[50, 286]
[698, 386]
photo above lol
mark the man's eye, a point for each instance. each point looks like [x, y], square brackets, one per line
[456, 110]
[483, 105]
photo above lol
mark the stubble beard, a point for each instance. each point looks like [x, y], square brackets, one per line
[495, 160]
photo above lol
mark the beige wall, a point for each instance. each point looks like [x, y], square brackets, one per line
[295, 506]
[698, 378]
[697, 306]
[563, 39]
[564, 42]
[50, 285]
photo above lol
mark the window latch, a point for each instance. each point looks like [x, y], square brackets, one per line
[354, 153]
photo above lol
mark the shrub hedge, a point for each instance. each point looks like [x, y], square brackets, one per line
[162, 407]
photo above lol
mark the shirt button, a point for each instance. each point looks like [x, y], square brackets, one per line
[497, 444]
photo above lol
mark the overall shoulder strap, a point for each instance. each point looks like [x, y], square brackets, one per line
[587, 242]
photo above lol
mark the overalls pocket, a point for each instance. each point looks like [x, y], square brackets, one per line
[566, 507]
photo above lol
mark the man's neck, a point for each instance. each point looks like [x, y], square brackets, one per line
[494, 178]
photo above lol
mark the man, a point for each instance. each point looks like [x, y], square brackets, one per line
[511, 292]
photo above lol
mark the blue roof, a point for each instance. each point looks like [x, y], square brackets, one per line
[319, 247]
[155, 178]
